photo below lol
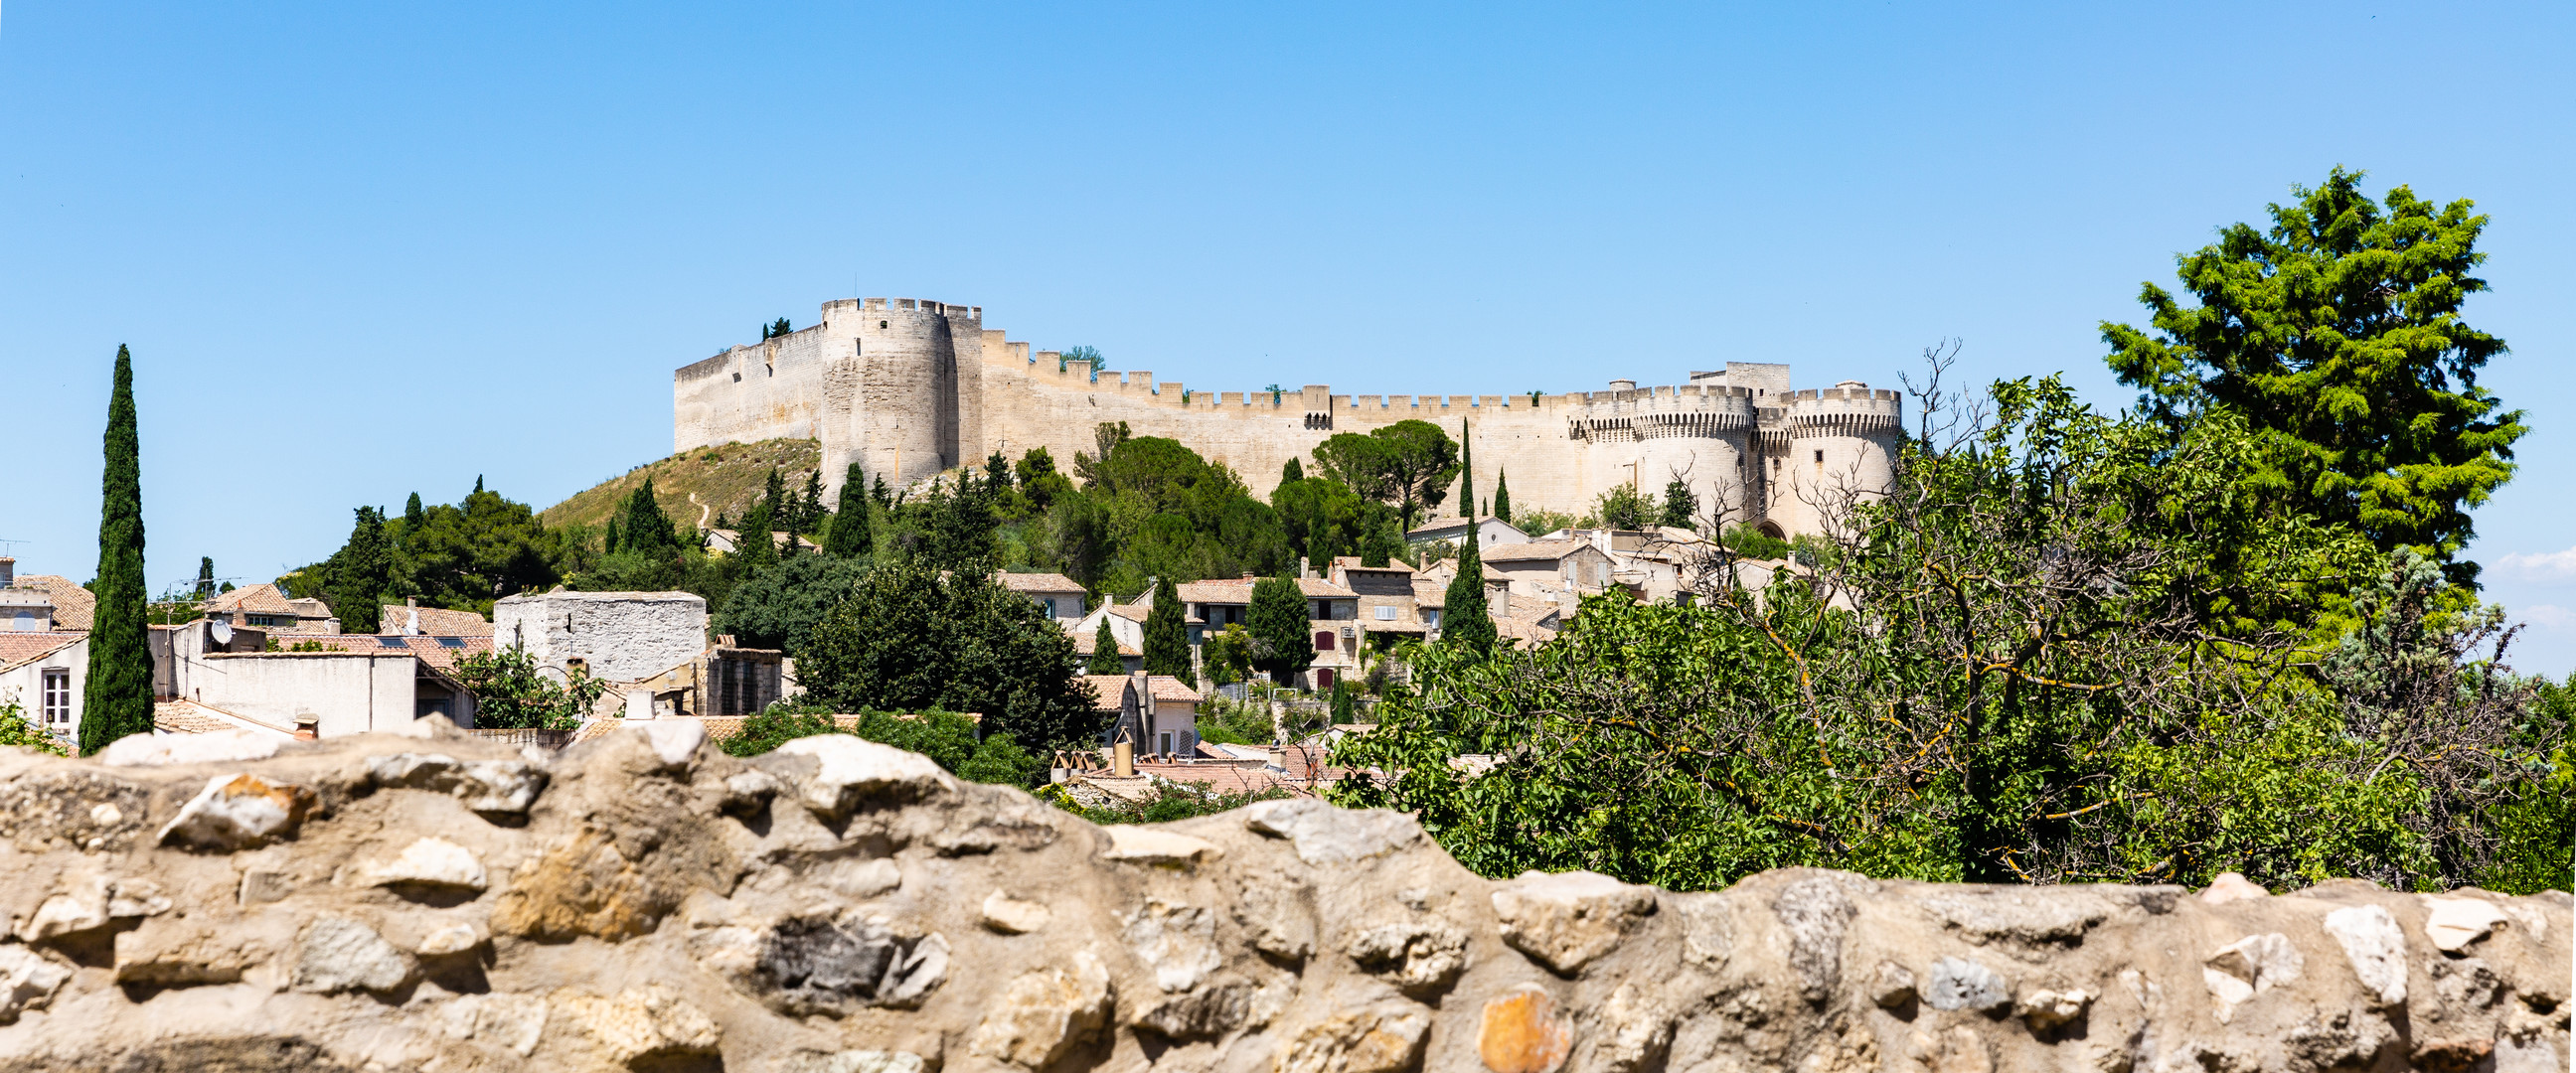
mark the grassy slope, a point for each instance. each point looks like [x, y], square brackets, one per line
[726, 478]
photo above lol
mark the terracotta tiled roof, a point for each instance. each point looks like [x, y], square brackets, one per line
[1550, 550]
[1037, 582]
[1430, 592]
[1086, 643]
[1528, 627]
[1239, 590]
[1352, 562]
[435, 621]
[435, 652]
[1242, 777]
[20, 649]
[1166, 687]
[1108, 688]
[260, 599]
[73, 605]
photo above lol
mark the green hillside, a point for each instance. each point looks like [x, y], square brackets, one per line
[697, 485]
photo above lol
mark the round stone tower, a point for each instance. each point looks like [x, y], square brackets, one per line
[900, 372]
[1842, 450]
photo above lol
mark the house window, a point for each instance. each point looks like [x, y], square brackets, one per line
[1386, 612]
[25, 622]
[1323, 678]
[1820, 461]
[1323, 640]
[1164, 740]
[57, 700]
[1430, 616]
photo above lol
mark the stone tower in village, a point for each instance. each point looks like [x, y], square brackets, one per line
[910, 388]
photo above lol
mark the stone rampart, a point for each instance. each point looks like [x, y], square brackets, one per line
[431, 901]
[911, 388]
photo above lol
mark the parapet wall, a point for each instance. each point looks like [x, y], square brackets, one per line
[438, 902]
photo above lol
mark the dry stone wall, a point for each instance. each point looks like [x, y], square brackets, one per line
[435, 902]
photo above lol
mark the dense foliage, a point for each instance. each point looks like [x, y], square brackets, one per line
[511, 690]
[909, 638]
[117, 695]
[17, 731]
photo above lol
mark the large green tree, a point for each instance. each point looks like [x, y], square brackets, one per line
[1104, 651]
[1278, 619]
[361, 574]
[1408, 465]
[117, 694]
[1167, 635]
[643, 527]
[2336, 332]
[911, 639]
[779, 606]
[851, 535]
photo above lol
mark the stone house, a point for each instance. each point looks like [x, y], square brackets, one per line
[1059, 596]
[411, 618]
[43, 673]
[1386, 608]
[41, 603]
[643, 643]
[334, 684]
[1554, 571]
[269, 608]
[1490, 532]
[1159, 713]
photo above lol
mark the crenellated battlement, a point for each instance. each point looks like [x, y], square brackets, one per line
[910, 387]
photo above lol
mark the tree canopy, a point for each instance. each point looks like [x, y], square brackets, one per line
[1408, 465]
[912, 639]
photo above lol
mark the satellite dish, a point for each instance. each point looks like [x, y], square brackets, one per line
[221, 631]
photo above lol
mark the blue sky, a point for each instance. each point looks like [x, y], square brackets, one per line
[362, 250]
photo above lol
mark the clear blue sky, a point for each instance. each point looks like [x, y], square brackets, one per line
[362, 250]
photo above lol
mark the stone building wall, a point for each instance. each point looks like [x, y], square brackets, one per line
[431, 901]
[911, 388]
[619, 636]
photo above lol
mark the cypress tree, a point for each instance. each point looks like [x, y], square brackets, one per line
[205, 577]
[118, 697]
[1292, 473]
[1104, 651]
[360, 571]
[646, 528]
[758, 549]
[1681, 508]
[413, 516]
[1167, 637]
[851, 535]
[810, 511]
[1502, 496]
[1278, 622]
[615, 539]
[1465, 619]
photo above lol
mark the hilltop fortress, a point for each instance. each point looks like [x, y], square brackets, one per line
[909, 388]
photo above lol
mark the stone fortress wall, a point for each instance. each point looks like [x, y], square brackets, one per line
[911, 388]
[642, 901]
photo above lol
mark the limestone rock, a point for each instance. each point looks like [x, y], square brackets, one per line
[1567, 919]
[746, 793]
[1325, 835]
[28, 981]
[1520, 1032]
[1206, 1013]
[340, 954]
[583, 886]
[1383, 1038]
[816, 964]
[1815, 911]
[1892, 986]
[859, 1062]
[238, 812]
[639, 1025]
[1177, 942]
[80, 808]
[2248, 967]
[515, 1022]
[1964, 984]
[2044, 1009]
[491, 788]
[1630, 1032]
[2232, 887]
[2020, 914]
[170, 952]
[218, 747]
[2376, 947]
[835, 775]
[89, 903]
[1708, 932]
[2453, 923]
[1273, 909]
[676, 741]
[429, 862]
[1011, 916]
[1419, 955]
[1045, 1014]
[1145, 845]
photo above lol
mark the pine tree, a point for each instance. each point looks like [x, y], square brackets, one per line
[1278, 622]
[1293, 472]
[646, 529]
[851, 535]
[118, 695]
[1502, 496]
[1167, 637]
[877, 492]
[478, 484]
[811, 510]
[413, 516]
[1104, 651]
[1465, 620]
[997, 476]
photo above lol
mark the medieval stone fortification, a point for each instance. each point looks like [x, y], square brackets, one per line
[910, 388]
[437, 902]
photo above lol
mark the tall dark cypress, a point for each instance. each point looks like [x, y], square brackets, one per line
[117, 698]
[1503, 495]
[851, 535]
[1465, 620]
[1167, 637]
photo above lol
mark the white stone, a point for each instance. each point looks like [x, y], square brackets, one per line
[429, 862]
[2045, 1009]
[1043, 1015]
[489, 787]
[1963, 984]
[1144, 845]
[1011, 916]
[1324, 835]
[1567, 919]
[2453, 923]
[2232, 887]
[638, 1022]
[340, 954]
[1176, 941]
[1892, 986]
[236, 812]
[866, 1062]
[517, 1022]
[851, 772]
[2248, 967]
[78, 908]
[28, 981]
[217, 747]
[2376, 947]
[676, 741]
[451, 939]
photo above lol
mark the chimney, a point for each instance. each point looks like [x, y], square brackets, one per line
[308, 727]
[639, 704]
[1279, 757]
[8, 571]
[411, 614]
[1122, 759]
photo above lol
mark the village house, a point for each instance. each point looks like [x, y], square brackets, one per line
[413, 619]
[1490, 532]
[42, 673]
[1156, 714]
[41, 603]
[650, 647]
[1560, 571]
[1059, 596]
[267, 607]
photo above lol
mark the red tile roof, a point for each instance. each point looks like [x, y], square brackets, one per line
[260, 599]
[73, 605]
[20, 649]
[1550, 550]
[434, 621]
[1037, 582]
[1239, 590]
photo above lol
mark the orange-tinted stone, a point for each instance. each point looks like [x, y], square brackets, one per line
[1522, 1034]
